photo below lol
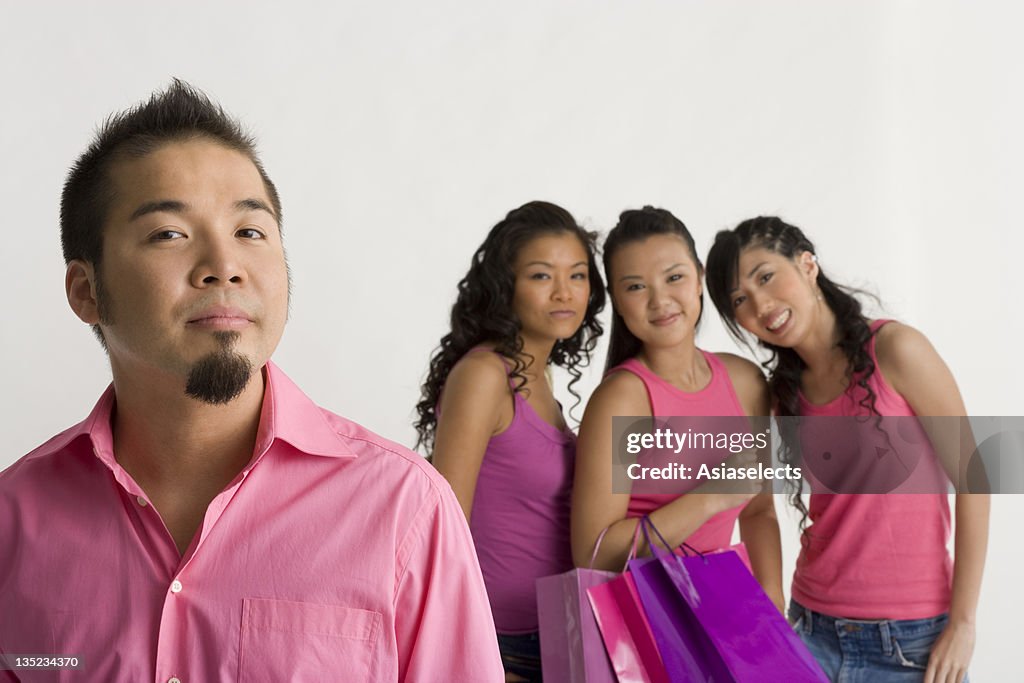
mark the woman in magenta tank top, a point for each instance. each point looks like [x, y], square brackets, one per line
[655, 369]
[876, 596]
[489, 417]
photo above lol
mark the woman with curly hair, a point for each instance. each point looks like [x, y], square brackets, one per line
[655, 369]
[488, 414]
[875, 593]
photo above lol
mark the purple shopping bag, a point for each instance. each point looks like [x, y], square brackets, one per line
[626, 633]
[687, 652]
[708, 611]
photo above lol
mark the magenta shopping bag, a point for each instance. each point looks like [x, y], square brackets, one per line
[627, 635]
[571, 649]
[712, 621]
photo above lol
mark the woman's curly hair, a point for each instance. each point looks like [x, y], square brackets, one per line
[483, 310]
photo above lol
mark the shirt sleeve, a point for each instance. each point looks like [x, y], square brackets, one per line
[443, 623]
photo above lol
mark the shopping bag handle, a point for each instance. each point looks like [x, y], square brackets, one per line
[632, 549]
[646, 522]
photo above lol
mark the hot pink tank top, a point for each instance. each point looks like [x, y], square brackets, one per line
[718, 398]
[876, 556]
[520, 515]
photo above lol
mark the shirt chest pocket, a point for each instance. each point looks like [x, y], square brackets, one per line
[283, 640]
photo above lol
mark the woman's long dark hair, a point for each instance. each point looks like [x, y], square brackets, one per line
[784, 364]
[483, 310]
[636, 225]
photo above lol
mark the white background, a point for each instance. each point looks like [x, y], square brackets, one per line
[398, 133]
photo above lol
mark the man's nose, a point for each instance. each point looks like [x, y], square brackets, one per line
[218, 263]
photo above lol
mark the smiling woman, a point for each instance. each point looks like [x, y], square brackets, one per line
[489, 416]
[877, 560]
[655, 368]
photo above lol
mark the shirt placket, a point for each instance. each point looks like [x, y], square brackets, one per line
[164, 554]
[173, 663]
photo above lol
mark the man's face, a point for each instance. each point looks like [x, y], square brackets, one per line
[193, 271]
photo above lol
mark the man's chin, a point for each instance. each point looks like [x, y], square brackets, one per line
[219, 377]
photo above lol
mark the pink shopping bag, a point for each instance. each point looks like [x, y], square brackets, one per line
[627, 635]
[570, 643]
[571, 649]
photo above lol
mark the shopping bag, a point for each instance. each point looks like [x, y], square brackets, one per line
[708, 609]
[627, 635]
[741, 551]
[571, 649]
[687, 653]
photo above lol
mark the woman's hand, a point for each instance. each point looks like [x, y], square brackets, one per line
[951, 653]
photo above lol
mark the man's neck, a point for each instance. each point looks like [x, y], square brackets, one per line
[181, 451]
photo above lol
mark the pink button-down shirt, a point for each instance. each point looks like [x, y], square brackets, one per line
[335, 555]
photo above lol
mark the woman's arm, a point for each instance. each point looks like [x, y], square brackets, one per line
[911, 365]
[476, 404]
[759, 531]
[595, 507]
[759, 527]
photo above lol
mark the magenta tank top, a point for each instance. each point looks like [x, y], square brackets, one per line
[718, 398]
[876, 556]
[520, 515]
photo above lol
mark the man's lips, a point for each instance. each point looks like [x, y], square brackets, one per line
[221, 317]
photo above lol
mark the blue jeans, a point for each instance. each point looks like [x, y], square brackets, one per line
[852, 651]
[520, 654]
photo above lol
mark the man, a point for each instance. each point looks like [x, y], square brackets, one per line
[207, 521]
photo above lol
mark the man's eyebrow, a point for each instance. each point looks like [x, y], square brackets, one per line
[159, 206]
[254, 204]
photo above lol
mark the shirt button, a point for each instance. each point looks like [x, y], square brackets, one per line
[173, 679]
[142, 501]
[176, 588]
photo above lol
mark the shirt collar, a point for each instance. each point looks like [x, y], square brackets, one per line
[287, 414]
[291, 416]
[95, 427]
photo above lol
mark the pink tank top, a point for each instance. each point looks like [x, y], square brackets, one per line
[520, 515]
[718, 398]
[876, 556]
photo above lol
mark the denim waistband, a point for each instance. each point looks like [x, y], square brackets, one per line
[881, 631]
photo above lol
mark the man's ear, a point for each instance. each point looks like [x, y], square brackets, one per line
[80, 286]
